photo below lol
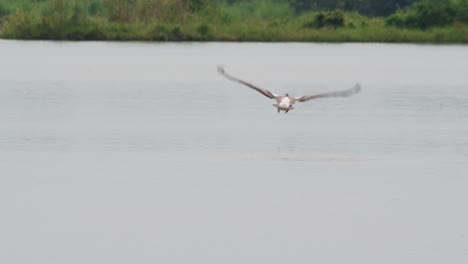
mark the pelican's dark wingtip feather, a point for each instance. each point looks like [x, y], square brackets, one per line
[221, 69]
[357, 88]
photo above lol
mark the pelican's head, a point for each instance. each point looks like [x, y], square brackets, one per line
[287, 95]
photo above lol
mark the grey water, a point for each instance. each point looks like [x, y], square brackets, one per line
[142, 153]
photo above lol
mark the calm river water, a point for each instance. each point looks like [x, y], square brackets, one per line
[142, 153]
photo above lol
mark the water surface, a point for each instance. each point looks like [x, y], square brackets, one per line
[141, 152]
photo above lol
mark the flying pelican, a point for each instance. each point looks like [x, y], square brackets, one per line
[285, 102]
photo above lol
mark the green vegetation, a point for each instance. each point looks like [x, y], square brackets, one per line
[426, 21]
[428, 14]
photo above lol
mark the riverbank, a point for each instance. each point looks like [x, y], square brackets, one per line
[260, 31]
[58, 20]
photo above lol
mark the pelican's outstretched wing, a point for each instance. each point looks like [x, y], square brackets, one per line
[345, 93]
[258, 89]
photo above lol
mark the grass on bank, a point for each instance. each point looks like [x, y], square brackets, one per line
[162, 20]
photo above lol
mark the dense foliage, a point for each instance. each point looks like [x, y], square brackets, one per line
[237, 20]
[323, 19]
[427, 14]
[366, 7]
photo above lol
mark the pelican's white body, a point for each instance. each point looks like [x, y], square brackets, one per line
[285, 102]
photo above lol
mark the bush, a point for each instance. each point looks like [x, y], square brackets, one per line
[96, 7]
[61, 19]
[173, 11]
[119, 10]
[262, 9]
[431, 14]
[22, 24]
[3, 10]
[428, 14]
[461, 11]
[397, 20]
[333, 19]
[203, 29]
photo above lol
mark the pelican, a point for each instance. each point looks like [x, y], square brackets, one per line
[285, 102]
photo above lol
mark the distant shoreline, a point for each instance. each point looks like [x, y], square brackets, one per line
[442, 36]
[249, 31]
